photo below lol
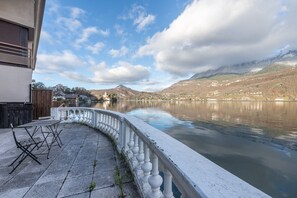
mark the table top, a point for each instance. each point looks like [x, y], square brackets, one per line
[40, 123]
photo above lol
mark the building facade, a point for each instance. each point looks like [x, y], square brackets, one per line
[20, 27]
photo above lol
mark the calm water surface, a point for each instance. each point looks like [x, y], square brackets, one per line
[257, 141]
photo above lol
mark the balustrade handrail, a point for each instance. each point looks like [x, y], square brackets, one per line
[193, 174]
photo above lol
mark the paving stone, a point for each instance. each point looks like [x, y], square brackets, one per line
[52, 175]
[22, 180]
[45, 190]
[104, 179]
[109, 192]
[81, 195]
[85, 159]
[103, 155]
[80, 170]
[75, 185]
[105, 165]
[14, 193]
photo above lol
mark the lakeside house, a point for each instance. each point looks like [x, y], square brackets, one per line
[20, 27]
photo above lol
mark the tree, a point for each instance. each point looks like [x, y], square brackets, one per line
[38, 85]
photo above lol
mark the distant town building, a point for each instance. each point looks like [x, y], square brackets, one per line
[106, 97]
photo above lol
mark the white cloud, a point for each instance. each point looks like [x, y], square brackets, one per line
[71, 24]
[95, 49]
[118, 53]
[53, 6]
[122, 72]
[75, 76]
[57, 62]
[119, 30]
[76, 12]
[45, 36]
[87, 32]
[141, 19]
[208, 34]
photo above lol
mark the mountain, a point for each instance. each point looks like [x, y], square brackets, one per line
[124, 93]
[276, 81]
[243, 68]
[269, 79]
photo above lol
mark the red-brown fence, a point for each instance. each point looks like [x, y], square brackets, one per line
[42, 102]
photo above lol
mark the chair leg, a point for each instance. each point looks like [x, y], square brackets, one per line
[44, 140]
[26, 152]
[33, 156]
[16, 159]
[58, 135]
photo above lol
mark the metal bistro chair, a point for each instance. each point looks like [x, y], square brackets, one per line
[26, 146]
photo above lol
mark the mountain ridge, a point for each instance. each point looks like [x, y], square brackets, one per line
[246, 67]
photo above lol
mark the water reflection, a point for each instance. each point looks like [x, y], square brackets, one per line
[255, 141]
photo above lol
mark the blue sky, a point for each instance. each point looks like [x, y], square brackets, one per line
[149, 45]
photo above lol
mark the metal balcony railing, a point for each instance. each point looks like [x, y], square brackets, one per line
[15, 55]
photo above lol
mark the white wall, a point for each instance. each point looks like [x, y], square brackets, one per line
[18, 11]
[14, 84]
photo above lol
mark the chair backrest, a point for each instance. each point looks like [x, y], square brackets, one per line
[13, 132]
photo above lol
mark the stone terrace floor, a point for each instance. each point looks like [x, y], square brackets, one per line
[86, 155]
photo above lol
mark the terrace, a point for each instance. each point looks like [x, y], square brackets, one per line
[86, 156]
[157, 162]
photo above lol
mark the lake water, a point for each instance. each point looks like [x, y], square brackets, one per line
[256, 141]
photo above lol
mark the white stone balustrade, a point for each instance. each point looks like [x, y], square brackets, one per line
[145, 147]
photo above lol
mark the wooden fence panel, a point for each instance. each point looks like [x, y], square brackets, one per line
[42, 102]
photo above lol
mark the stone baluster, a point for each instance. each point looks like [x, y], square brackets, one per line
[140, 159]
[91, 116]
[113, 132]
[70, 115]
[155, 180]
[167, 184]
[135, 152]
[77, 115]
[99, 121]
[131, 144]
[104, 123]
[94, 119]
[61, 114]
[114, 126]
[67, 116]
[116, 129]
[88, 117]
[82, 116]
[122, 134]
[126, 136]
[146, 167]
[108, 124]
